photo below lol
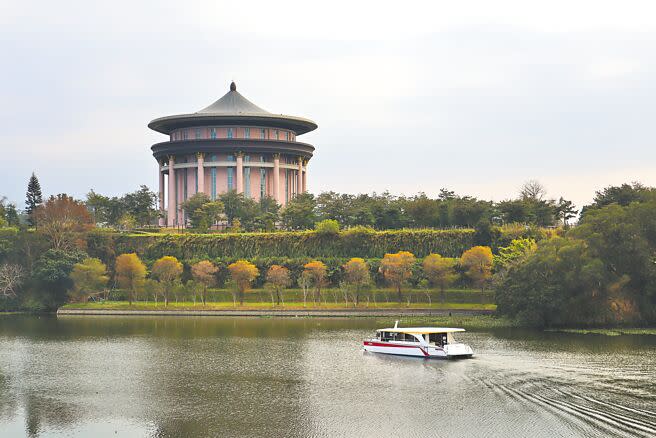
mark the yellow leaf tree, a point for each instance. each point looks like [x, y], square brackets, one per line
[242, 274]
[440, 272]
[478, 264]
[167, 270]
[397, 269]
[89, 278]
[316, 272]
[278, 278]
[204, 272]
[130, 273]
[356, 275]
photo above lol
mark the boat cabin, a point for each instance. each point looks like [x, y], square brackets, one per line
[438, 337]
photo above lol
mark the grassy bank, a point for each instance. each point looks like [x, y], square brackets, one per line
[610, 331]
[228, 305]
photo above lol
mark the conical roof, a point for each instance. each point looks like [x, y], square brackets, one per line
[233, 103]
[232, 108]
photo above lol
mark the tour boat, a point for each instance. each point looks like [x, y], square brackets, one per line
[426, 342]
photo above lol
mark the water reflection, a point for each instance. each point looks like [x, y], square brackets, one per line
[200, 376]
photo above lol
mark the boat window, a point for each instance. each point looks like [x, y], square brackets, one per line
[410, 338]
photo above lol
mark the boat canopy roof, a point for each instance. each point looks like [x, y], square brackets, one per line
[421, 330]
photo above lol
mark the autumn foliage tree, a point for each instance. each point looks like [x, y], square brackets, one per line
[204, 273]
[397, 269]
[242, 274]
[440, 272]
[60, 218]
[89, 278]
[278, 278]
[167, 270]
[477, 262]
[316, 272]
[130, 273]
[356, 275]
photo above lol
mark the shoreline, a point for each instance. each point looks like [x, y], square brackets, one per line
[281, 312]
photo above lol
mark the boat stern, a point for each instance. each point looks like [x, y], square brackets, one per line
[457, 351]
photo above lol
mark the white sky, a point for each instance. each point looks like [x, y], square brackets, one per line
[474, 96]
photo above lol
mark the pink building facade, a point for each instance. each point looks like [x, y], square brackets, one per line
[230, 145]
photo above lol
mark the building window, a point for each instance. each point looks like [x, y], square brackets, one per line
[286, 186]
[277, 134]
[262, 134]
[247, 132]
[247, 177]
[287, 136]
[231, 174]
[184, 185]
[213, 179]
[230, 133]
[184, 134]
[262, 182]
[197, 133]
[212, 133]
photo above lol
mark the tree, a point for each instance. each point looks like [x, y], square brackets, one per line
[11, 278]
[204, 272]
[202, 212]
[242, 273]
[141, 205]
[167, 270]
[60, 218]
[305, 283]
[130, 273]
[516, 252]
[278, 279]
[397, 269]
[565, 210]
[52, 272]
[238, 207]
[532, 190]
[356, 275]
[478, 264]
[440, 271]
[299, 212]
[89, 278]
[12, 215]
[316, 272]
[327, 227]
[34, 199]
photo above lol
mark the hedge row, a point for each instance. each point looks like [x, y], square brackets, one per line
[350, 243]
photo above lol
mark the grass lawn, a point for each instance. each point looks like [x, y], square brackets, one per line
[228, 305]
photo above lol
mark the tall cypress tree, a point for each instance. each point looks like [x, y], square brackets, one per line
[34, 198]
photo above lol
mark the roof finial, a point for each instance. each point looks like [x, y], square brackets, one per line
[233, 86]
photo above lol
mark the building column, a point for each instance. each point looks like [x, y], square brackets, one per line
[276, 177]
[299, 182]
[305, 178]
[240, 172]
[172, 201]
[161, 221]
[200, 174]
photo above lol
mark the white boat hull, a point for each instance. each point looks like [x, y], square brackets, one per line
[414, 349]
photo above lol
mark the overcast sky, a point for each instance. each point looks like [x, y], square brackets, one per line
[474, 96]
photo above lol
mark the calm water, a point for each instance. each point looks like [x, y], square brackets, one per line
[204, 376]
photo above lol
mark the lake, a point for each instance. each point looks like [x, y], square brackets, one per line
[209, 376]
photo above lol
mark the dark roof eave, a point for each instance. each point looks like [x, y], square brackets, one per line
[232, 145]
[167, 124]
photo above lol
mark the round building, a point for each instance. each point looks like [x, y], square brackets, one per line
[231, 145]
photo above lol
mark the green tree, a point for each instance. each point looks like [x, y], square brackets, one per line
[34, 199]
[52, 273]
[299, 212]
[12, 215]
[89, 278]
[141, 205]
[202, 212]
[327, 227]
